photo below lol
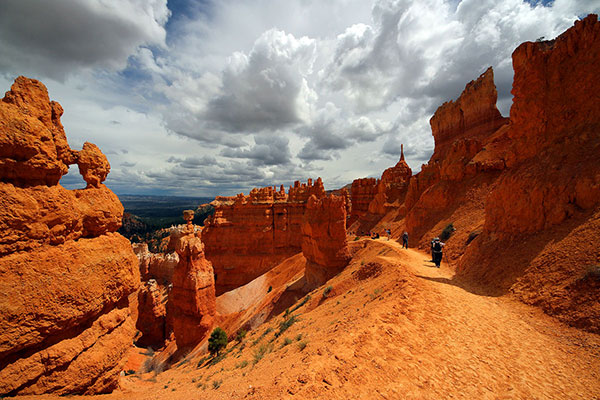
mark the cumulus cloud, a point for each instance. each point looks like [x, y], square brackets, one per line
[217, 97]
[267, 87]
[272, 150]
[66, 35]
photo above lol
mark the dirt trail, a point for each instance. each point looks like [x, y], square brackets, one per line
[393, 327]
[518, 351]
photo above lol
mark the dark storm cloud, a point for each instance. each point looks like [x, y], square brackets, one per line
[53, 38]
[268, 150]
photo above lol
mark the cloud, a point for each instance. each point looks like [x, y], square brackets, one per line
[272, 150]
[58, 39]
[265, 89]
[217, 97]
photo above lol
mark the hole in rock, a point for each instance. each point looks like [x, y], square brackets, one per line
[73, 179]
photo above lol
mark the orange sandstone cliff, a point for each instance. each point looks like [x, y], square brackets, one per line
[249, 235]
[65, 274]
[542, 218]
[324, 242]
[454, 178]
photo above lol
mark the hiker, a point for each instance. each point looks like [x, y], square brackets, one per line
[388, 233]
[405, 240]
[437, 252]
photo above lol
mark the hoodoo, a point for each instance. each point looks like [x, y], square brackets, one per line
[65, 275]
[192, 299]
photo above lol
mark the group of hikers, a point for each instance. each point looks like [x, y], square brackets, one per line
[437, 245]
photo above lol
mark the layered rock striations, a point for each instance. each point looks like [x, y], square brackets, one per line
[248, 235]
[324, 242]
[192, 304]
[363, 192]
[555, 120]
[65, 275]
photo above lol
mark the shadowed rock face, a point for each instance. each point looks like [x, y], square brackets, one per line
[324, 242]
[249, 235]
[65, 273]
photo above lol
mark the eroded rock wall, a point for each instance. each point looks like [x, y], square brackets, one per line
[545, 206]
[461, 130]
[392, 188]
[324, 242]
[362, 193]
[248, 235]
[65, 275]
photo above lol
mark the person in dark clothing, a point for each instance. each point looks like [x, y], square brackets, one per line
[405, 240]
[437, 252]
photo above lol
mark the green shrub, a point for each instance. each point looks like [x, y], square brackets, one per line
[216, 384]
[242, 364]
[447, 232]
[286, 341]
[283, 326]
[326, 292]
[265, 333]
[303, 302]
[241, 335]
[217, 341]
[261, 351]
[302, 345]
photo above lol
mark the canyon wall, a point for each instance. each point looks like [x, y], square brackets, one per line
[65, 274]
[541, 218]
[324, 242]
[457, 175]
[248, 235]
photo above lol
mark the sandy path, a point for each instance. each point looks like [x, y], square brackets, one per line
[512, 350]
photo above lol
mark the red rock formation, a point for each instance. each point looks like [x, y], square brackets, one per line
[192, 300]
[460, 130]
[541, 218]
[472, 116]
[392, 187]
[324, 243]
[248, 235]
[553, 157]
[66, 276]
[152, 315]
[159, 266]
[363, 192]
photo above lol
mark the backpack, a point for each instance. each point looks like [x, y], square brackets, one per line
[437, 246]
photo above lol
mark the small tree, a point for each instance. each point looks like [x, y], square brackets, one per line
[217, 341]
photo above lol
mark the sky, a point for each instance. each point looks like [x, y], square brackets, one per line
[205, 98]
